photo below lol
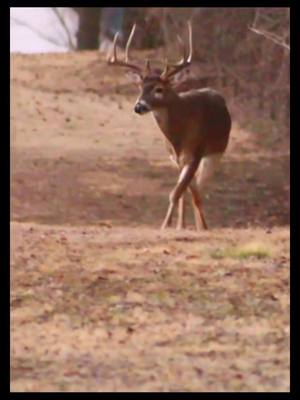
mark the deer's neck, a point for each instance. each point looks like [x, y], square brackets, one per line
[168, 122]
[162, 118]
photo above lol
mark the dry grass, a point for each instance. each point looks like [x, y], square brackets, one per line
[244, 251]
[103, 301]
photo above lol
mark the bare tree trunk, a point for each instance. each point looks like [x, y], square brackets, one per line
[165, 29]
[89, 27]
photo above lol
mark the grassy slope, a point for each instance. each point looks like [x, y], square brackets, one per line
[101, 300]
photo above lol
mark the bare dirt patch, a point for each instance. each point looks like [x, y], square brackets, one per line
[103, 301]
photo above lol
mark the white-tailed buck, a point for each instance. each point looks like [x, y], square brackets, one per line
[196, 125]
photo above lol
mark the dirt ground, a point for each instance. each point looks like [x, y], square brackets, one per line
[101, 299]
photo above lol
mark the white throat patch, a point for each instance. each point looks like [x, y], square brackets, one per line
[143, 103]
[158, 95]
[161, 117]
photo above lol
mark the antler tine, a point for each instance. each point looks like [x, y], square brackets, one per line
[185, 58]
[113, 59]
[190, 41]
[181, 45]
[172, 69]
[129, 42]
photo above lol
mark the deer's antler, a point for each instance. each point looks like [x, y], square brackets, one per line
[172, 69]
[113, 59]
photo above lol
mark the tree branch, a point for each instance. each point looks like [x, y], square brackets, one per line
[65, 27]
[271, 36]
[38, 32]
[267, 34]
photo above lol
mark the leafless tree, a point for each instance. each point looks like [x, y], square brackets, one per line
[62, 20]
[64, 41]
[280, 39]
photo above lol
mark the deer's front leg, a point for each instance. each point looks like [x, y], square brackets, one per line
[185, 177]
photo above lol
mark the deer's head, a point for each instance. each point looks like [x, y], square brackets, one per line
[155, 85]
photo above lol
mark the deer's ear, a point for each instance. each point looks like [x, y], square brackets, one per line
[134, 77]
[172, 80]
[180, 77]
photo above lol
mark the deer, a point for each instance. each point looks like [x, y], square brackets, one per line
[196, 125]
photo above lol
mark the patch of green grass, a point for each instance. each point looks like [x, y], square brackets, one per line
[244, 251]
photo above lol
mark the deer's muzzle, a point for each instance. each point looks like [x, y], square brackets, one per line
[141, 107]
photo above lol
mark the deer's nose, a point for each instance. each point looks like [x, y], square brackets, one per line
[141, 107]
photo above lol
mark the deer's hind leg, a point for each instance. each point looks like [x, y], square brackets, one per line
[197, 203]
[207, 168]
[198, 208]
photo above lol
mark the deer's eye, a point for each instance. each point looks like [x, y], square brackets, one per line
[158, 90]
